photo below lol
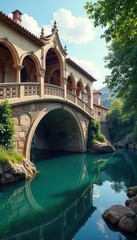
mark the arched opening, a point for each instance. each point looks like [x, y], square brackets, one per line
[7, 71]
[53, 73]
[55, 78]
[29, 71]
[79, 90]
[87, 95]
[70, 84]
[58, 130]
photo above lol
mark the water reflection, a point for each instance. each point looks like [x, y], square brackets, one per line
[59, 201]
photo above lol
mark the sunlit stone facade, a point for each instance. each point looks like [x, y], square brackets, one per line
[36, 69]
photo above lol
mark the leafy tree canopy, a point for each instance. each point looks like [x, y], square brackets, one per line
[121, 123]
[119, 19]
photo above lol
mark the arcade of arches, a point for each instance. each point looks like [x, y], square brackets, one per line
[28, 69]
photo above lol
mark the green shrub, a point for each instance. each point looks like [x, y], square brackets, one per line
[94, 133]
[10, 155]
[6, 125]
[135, 133]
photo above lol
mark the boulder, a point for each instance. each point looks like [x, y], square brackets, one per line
[103, 147]
[131, 214]
[7, 178]
[11, 172]
[7, 166]
[114, 214]
[125, 142]
[134, 189]
[124, 217]
[19, 171]
[128, 224]
[29, 166]
[133, 199]
[130, 194]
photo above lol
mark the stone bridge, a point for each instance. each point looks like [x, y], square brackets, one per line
[58, 120]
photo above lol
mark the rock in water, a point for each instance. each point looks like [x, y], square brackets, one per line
[103, 147]
[11, 172]
[114, 214]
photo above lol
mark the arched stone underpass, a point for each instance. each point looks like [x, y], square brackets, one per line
[58, 130]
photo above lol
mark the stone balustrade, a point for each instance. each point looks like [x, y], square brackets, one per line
[22, 92]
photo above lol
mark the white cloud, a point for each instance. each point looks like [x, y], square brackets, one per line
[101, 225]
[31, 24]
[88, 66]
[96, 193]
[73, 29]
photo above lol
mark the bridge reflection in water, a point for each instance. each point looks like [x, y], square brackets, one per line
[41, 219]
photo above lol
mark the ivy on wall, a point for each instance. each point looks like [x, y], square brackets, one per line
[94, 133]
[7, 129]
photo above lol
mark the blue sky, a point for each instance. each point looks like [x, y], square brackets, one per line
[76, 31]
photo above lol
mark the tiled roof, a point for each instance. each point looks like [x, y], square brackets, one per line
[81, 70]
[4, 18]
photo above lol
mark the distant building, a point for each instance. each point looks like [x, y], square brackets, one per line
[99, 110]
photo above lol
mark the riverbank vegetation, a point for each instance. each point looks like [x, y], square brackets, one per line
[94, 134]
[121, 122]
[7, 130]
[10, 155]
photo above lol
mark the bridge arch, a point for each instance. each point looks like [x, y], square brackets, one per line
[69, 131]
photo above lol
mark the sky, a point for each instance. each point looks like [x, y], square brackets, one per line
[76, 31]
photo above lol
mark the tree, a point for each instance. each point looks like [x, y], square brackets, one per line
[119, 19]
[115, 120]
[6, 125]
[120, 121]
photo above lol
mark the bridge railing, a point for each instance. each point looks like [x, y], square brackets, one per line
[16, 92]
[53, 90]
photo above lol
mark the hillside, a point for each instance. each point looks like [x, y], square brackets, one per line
[106, 97]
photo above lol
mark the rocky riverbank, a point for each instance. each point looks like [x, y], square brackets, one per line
[102, 147]
[126, 142]
[124, 218]
[11, 172]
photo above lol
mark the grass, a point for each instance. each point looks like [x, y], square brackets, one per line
[10, 155]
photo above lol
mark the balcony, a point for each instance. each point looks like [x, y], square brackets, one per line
[25, 92]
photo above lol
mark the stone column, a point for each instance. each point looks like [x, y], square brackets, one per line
[91, 97]
[5, 75]
[18, 72]
[63, 83]
[42, 76]
[90, 102]
[74, 90]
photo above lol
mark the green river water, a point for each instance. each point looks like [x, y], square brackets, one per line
[67, 197]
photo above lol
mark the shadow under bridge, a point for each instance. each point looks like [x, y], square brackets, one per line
[59, 130]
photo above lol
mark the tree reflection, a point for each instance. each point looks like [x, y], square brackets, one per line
[121, 169]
